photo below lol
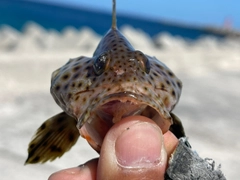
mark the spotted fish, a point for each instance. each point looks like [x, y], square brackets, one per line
[96, 92]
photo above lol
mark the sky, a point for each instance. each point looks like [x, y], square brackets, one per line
[218, 13]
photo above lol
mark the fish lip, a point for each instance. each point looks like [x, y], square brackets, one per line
[95, 127]
[124, 97]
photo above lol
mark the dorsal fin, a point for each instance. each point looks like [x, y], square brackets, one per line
[114, 19]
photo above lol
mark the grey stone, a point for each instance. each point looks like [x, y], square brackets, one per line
[185, 164]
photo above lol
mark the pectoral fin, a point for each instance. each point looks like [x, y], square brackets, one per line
[52, 139]
[177, 128]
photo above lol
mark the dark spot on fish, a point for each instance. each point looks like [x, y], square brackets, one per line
[159, 71]
[97, 85]
[94, 79]
[48, 134]
[135, 79]
[88, 67]
[76, 68]
[61, 129]
[44, 144]
[114, 49]
[170, 73]
[106, 73]
[155, 74]
[36, 159]
[84, 99]
[173, 93]
[114, 45]
[179, 84]
[88, 75]
[57, 87]
[159, 66]
[79, 84]
[69, 95]
[65, 77]
[145, 88]
[167, 82]
[76, 76]
[54, 148]
[66, 86]
[32, 146]
[163, 87]
[73, 84]
[71, 137]
[60, 119]
[164, 73]
[151, 77]
[108, 89]
[43, 126]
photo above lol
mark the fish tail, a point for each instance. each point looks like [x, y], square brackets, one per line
[52, 139]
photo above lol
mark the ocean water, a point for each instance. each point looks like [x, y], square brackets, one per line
[17, 13]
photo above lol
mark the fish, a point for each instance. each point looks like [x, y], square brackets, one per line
[97, 92]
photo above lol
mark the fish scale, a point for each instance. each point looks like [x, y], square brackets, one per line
[97, 92]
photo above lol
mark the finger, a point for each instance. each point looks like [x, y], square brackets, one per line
[83, 172]
[133, 149]
[170, 142]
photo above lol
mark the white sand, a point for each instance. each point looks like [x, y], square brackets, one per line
[208, 108]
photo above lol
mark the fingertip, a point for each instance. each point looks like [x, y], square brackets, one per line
[133, 148]
[83, 172]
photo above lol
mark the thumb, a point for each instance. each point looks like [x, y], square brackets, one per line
[133, 149]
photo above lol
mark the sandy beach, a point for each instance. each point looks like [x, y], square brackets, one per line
[209, 106]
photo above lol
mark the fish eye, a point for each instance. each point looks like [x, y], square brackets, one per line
[100, 63]
[143, 61]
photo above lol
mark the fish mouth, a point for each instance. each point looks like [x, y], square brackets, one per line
[112, 108]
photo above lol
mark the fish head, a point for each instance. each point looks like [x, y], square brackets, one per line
[118, 81]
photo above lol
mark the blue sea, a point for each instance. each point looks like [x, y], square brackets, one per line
[17, 13]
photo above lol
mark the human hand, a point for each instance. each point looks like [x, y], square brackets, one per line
[134, 148]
